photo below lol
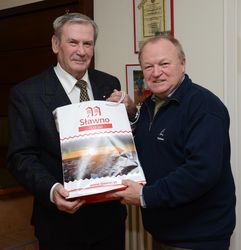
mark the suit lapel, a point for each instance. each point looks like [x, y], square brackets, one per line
[101, 87]
[54, 95]
[97, 92]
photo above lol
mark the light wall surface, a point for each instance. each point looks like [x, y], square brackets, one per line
[115, 44]
[197, 24]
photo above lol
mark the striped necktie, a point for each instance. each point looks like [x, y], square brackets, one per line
[83, 90]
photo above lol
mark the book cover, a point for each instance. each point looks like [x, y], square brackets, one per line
[97, 148]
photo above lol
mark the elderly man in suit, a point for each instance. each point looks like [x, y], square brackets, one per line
[34, 155]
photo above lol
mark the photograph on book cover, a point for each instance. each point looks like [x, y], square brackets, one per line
[135, 85]
[151, 17]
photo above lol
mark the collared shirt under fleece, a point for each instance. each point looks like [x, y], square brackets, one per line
[185, 154]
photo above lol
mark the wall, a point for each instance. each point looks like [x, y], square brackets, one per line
[232, 90]
[115, 44]
[210, 33]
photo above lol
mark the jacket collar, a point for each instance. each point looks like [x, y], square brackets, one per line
[177, 96]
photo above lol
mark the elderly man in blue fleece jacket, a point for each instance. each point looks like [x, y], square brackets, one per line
[182, 138]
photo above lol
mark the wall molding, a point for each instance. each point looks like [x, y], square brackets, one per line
[232, 99]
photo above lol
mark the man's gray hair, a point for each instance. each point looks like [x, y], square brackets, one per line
[73, 18]
[168, 37]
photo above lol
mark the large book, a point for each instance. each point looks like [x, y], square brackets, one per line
[97, 148]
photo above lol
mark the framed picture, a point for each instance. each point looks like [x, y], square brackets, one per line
[151, 17]
[135, 85]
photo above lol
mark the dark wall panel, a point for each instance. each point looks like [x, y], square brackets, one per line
[25, 46]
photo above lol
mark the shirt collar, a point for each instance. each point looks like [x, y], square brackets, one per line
[68, 81]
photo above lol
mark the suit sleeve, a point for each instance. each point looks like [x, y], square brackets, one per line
[25, 158]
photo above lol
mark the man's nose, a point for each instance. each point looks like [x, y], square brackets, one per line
[157, 70]
[81, 49]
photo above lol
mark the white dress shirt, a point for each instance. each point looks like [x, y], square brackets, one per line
[68, 82]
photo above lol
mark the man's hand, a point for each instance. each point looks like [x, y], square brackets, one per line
[130, 105]
[129, 196]
[59, 198]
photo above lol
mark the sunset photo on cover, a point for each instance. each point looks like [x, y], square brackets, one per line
[99, 156]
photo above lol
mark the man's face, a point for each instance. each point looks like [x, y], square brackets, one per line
[75, 48]
[162, 68]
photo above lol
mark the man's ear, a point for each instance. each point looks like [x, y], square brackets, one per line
[55, 44]
[184, 65]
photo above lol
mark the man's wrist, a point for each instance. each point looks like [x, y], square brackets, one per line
[134, 118]
[51, 191]
[142, 200]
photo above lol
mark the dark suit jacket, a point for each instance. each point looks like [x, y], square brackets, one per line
[34, 158]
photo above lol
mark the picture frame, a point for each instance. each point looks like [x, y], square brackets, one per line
[151, 17]
[135, 85]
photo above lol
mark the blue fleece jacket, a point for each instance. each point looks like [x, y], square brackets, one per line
[185, 154]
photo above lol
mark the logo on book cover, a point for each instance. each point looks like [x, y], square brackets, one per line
[94, 120]
[95, 111]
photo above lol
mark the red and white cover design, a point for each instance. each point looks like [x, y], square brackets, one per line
[97, 149]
